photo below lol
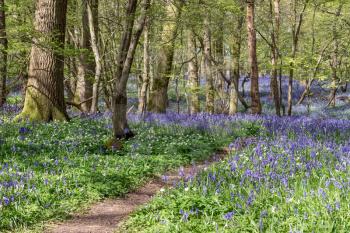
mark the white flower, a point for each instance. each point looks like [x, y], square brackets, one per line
[273, 209]
[186, 189]
[162, 190]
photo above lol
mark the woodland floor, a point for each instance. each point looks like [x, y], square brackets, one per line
[108, 215]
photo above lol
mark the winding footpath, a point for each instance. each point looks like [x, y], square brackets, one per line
[108, 215]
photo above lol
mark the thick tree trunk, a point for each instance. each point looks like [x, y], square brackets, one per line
[146, 70]
[86, 67]
[254, 73]
[193, 77]
[44, 99]
[3, 54]
[158, 101]
[93, 27]
[208, 69]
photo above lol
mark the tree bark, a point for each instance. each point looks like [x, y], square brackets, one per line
[193, 77]
[93, 27]
[128, 44]
[296, 27]
[220, 83]
[158, 100]
[44, 99]
[3, 54]
[334, 63]
[208, 69]
[275, 55]
[344, 87]
[236, 56]
[85, 65]
[254, 73]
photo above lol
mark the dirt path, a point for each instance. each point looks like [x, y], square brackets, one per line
[106, 216]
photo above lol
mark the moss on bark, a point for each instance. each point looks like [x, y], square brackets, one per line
[37, 107]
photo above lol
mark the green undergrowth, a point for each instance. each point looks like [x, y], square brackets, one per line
[267, 184]
[48, 171]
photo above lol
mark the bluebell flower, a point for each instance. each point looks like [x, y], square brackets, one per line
[228, 216]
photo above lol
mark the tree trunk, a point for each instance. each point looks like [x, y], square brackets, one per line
[93, 27]
[236, 56]
[280, 87]
[193, 77]
[3, 54]
[334, 89]
[220, 66]
[335, 61]
[158, 101]
[290, 84]
[296, 26]
[254, 73]
[146, 70]
[306, 91]
[275, 56]
[274, 84]
[86, 67]
[344, 87]
[44, 99]
[128, 44]
[208, 69]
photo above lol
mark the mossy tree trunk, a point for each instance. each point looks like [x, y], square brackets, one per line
[158, 101]
[44, 100]
[3, 54]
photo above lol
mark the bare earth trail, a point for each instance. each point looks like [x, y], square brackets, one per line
[106, 216]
